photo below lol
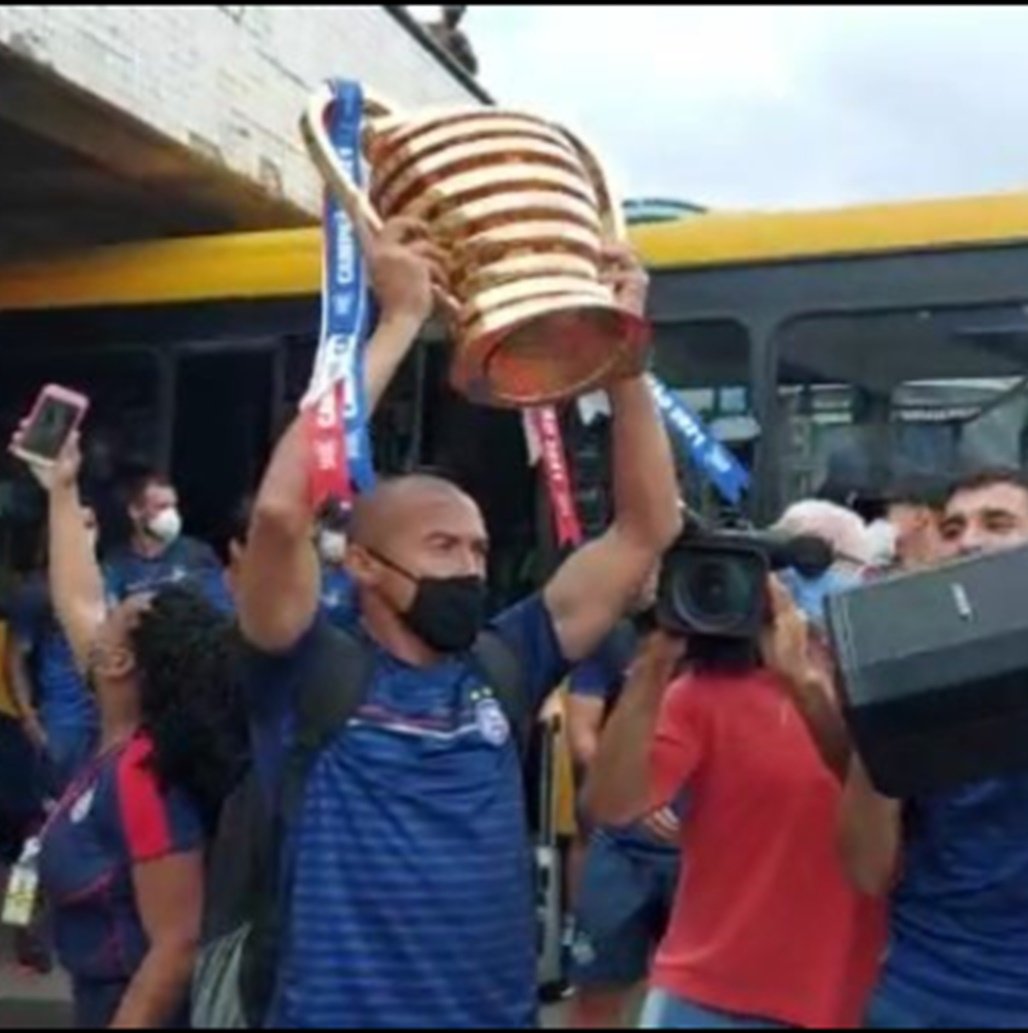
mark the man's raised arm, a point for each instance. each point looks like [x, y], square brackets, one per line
[280, 575]
[597, 584]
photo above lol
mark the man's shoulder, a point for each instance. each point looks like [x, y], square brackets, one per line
[195, 552]
[308, 640]
[530, 611]
[119, 556]
[324, 646]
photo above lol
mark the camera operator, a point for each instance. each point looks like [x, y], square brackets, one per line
[956, 863]
[765, 929]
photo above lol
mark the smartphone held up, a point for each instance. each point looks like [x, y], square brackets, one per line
[56, 415]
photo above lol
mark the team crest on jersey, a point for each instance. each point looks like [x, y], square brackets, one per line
[83, 805]
[492, 722]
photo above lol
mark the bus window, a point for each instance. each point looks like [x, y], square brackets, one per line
[870, 397]
[708, 363]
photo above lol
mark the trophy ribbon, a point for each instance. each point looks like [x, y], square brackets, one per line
[716, 461]
[542, 428]
[335, 400]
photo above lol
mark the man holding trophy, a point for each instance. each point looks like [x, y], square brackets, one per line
[408, 893]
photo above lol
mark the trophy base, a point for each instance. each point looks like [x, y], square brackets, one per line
[552, 357]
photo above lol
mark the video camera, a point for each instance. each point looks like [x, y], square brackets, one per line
[714, 582]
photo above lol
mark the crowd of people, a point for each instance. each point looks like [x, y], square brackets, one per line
[339, 690]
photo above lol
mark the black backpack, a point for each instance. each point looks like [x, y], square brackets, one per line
[237, 964]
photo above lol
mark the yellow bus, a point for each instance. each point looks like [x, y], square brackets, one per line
[831, 349]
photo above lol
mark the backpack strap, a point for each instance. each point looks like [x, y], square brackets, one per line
[332, 687]
[501, 667]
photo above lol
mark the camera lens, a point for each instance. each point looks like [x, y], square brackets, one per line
[719, 589]
[716, 591]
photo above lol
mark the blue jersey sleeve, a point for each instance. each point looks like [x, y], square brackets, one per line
[602, 675]
[528, 630]
[271, 682]
[590, 679]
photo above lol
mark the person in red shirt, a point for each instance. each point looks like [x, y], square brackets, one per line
[765, 931]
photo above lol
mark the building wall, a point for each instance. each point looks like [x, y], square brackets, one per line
[230, 81]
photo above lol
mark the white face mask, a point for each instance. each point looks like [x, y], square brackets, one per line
[332, 546]
[166, 526]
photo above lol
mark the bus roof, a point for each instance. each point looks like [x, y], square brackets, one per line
[286, 263]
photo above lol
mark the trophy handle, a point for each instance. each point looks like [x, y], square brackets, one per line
[610, 204]
[358, 206]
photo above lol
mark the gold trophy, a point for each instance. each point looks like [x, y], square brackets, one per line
[522, 209]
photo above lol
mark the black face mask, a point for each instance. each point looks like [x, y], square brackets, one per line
[447, 613]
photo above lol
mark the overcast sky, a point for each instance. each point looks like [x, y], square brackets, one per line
[765, 107]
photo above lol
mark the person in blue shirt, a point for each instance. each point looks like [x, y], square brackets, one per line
[630, 875]
[158, 553]
[410, 902]
[121, 856]
[60, 712]
[954, 864]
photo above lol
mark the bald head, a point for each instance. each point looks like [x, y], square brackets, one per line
[418, 553]
[423, 525]
[394, 506]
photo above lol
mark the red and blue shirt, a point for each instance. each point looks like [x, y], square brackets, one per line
[115, 816]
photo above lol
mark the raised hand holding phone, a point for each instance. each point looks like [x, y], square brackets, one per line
[47, 439]
[57, 414]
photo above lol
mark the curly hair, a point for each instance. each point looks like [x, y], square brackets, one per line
[190, 698]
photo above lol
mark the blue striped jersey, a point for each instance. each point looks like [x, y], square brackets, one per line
[411, 898]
